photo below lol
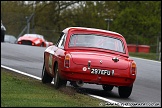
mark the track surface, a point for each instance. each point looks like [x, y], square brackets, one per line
[147, 87]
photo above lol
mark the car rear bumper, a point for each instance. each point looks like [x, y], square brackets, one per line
[115, 80]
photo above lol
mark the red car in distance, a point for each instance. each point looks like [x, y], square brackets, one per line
[34, 40]
[89, 55]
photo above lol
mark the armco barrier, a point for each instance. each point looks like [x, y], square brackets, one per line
[144, 48]
[131, 48]
[139, 48]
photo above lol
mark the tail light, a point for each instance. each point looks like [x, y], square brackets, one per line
[133, 68]
[67, 61]
[32, 44]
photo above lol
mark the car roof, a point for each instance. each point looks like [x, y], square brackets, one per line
[90, 29]
[34, 35]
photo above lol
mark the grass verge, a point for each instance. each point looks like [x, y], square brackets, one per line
[150, 56]
[21, 91]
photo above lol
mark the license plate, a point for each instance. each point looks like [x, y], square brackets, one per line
[102, 72]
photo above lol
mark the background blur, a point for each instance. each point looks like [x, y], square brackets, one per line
[138, 21]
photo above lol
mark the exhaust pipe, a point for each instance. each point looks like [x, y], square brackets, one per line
[77, 83]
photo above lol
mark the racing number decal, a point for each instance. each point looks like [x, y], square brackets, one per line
[50, 63]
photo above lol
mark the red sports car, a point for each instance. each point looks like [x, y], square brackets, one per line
[89, 55]
[34, 40]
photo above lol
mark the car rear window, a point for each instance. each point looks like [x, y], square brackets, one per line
[96, 41]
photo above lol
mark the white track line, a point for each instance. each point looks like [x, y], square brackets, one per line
[107, 103]
[20, 72]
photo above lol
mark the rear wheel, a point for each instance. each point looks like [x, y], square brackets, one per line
[107, 87]
[58, 81]
[45, 77]
[125, 91]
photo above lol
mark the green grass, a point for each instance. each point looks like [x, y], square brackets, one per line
[21, 91]
[150, 56]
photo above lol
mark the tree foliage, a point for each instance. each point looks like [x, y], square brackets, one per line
[138, 21]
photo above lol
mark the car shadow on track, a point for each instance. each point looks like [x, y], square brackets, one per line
[97, 92]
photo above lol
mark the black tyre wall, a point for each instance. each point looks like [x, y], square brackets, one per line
[2, 35]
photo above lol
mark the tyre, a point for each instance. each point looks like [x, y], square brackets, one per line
[58, 81]
[46, 78]
[107, 87]
[125, 91]
[2, 35]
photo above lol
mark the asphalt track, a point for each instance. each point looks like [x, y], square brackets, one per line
[146, 89]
